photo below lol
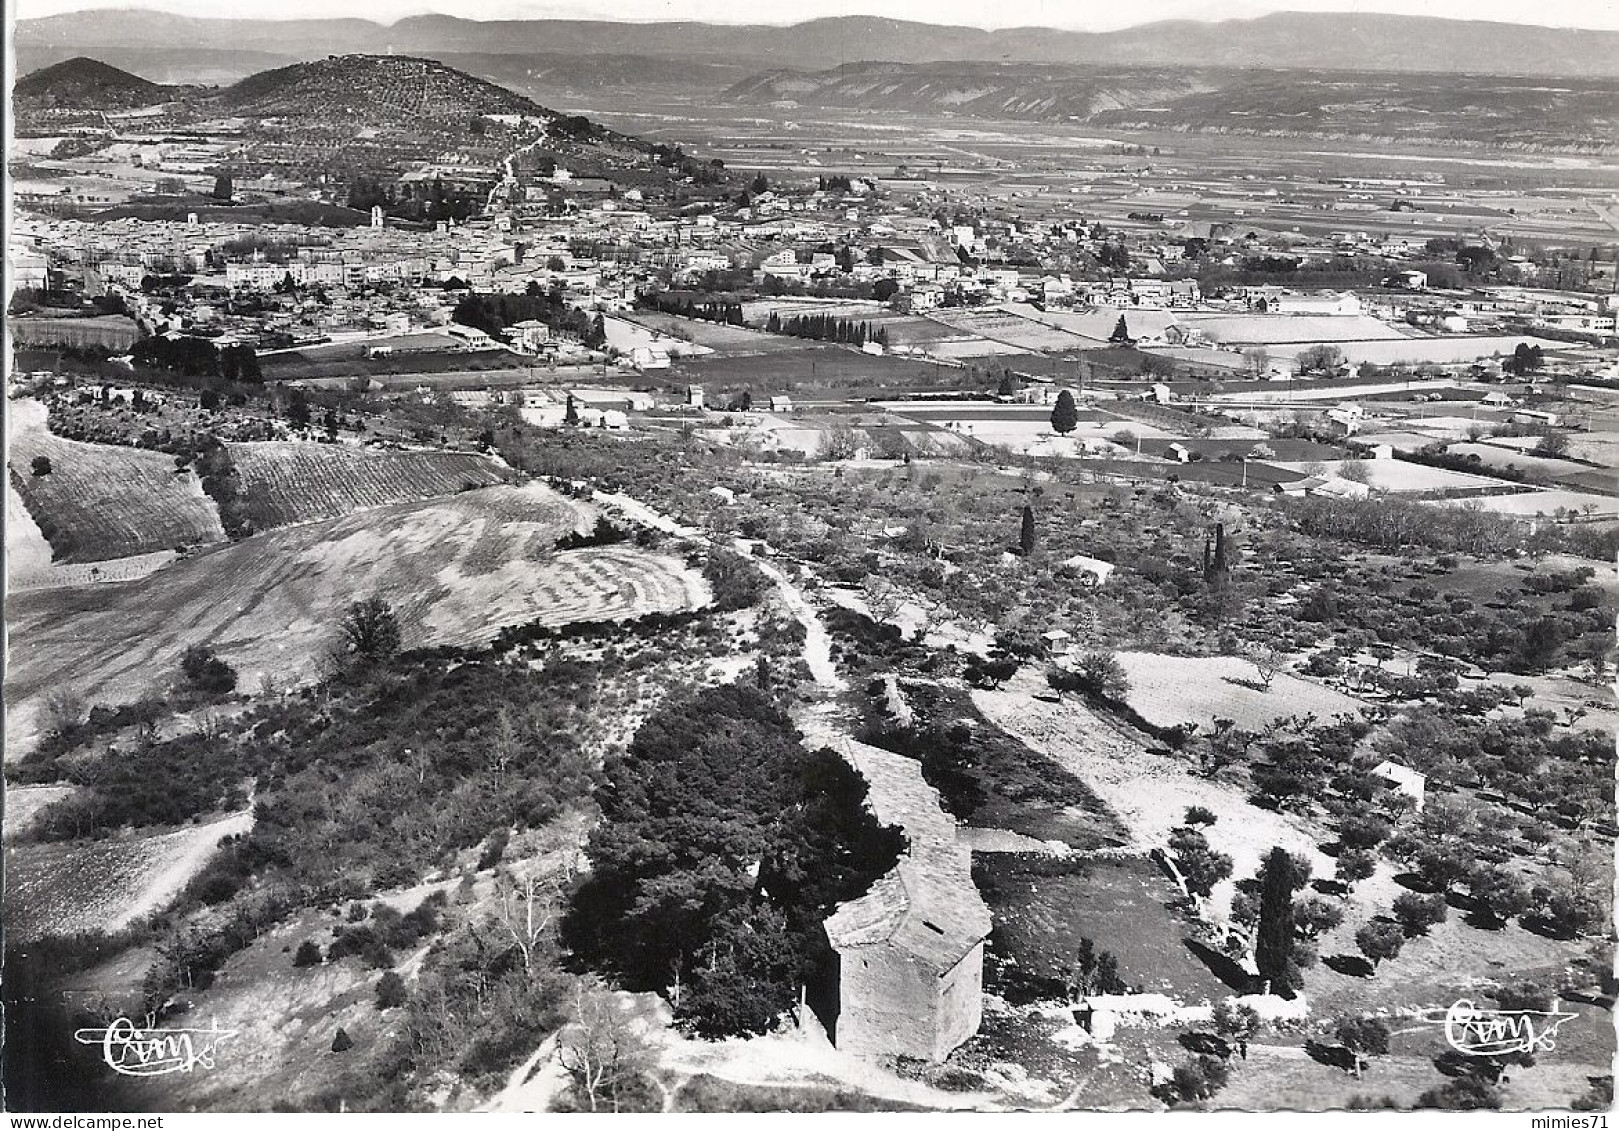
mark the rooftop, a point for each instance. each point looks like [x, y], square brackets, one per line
[927, 904]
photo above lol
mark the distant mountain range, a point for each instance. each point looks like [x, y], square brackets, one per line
[1576, 115]
[1292, 40]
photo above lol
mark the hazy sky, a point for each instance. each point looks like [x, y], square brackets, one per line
[1094, 15]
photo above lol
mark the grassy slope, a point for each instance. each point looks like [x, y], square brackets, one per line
[455, 569]
[100, 501]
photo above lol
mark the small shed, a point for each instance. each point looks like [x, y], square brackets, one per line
[1412, 783]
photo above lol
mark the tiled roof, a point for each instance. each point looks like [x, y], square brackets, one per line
[927, 904]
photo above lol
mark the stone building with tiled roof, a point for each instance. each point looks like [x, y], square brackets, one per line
[911, 950]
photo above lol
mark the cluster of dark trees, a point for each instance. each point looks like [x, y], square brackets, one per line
[492, 313]
[221, 484]
[427, 201]
[188, 356]
[826, 328]
[835, 183]
[1438, 455]
[1566, 774]
[1114, 256]
[1393, 524]
[25, 299]
[722, 310]
[1475, 260]
[1526, 359]
[721, 848]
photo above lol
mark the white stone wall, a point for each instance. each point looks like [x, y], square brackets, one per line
[892, 1005]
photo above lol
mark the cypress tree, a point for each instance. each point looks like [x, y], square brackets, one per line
[1026, 536]
[1273, 943]
[1065, 414]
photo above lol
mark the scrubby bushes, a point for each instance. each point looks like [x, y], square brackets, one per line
[712, 785]
[206, 672]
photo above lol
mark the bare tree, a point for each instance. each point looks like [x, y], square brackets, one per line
[601, 1049]
[1268, 661]
[841, 442]
[526, 910]
[504, 745]
[64, 710]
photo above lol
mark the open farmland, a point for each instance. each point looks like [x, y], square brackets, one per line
[455, 570]
[1170, 690]
[104, 885]
[1498, 454]
[1403, 477]
[286, 482]
[1014, 330]
[1149, 792]
[1544, 504]
[734, 340]
[100, 501]
[28, 556]
[1043, 907]
[805, 372]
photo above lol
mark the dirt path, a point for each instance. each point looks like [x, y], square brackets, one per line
[190, 853]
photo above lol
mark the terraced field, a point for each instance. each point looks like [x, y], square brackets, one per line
[456, 570]
[100, 501]
[287, 481]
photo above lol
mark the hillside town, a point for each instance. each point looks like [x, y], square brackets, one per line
[588, 612]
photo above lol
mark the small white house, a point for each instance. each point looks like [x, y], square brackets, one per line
[1412, 783]
[1093, 572]
[649, 357]
[781, 404]
[1535, 416]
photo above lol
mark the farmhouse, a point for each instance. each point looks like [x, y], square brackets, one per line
[1410, 782]
[910, 952]
[1093, 572]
